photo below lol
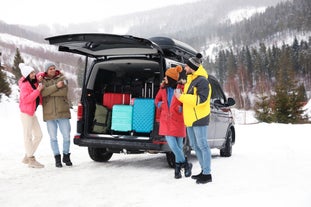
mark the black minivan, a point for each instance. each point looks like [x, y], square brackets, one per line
[124, 70]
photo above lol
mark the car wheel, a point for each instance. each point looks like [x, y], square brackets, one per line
[227, 150]
[99, 154]
[170, 157]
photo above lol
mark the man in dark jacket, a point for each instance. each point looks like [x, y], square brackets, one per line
[196, 111]
[56, 111]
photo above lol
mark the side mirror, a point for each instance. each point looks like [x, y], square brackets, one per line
[230, 102]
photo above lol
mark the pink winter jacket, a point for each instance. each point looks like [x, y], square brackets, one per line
[27, 97]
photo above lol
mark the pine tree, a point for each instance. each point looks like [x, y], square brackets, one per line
[17, 60]
[4, 85]
[263, 109]
[289, 96]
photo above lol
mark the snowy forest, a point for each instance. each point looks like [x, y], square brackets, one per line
[263, 62]
[261, 70]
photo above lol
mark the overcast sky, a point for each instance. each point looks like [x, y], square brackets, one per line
[34, 12]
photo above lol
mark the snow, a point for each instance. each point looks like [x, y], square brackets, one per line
[270, 166]
[243, 13]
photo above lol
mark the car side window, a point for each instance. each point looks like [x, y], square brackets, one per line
[217, 92]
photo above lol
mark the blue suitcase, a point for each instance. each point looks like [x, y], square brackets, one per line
[122, 118]
[143, 115]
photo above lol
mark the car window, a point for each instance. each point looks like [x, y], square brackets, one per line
[217, 92]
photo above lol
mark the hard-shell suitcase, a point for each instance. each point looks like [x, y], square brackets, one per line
[110, 99]
[148, 90]
[122, 118]
[143, 115]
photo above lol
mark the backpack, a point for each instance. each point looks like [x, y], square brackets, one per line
[102, 119]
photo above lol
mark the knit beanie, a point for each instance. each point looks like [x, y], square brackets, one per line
[194, 62]
[174, 72]
[25, 69]
[48, 65]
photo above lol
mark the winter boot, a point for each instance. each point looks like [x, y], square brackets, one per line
[188, 167]
[66, 159]
[178, 167]
[204, 179]
[33, 163]
[25, 160]
[58, 162]
[197, 176]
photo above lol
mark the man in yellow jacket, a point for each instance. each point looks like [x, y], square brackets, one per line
[196, 111]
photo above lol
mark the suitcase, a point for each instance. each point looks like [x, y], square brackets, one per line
[143, 115]
[102, 119]
[110, 99]
[122, 118]
[148, 90]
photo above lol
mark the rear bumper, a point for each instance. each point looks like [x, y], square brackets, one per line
[120, 144]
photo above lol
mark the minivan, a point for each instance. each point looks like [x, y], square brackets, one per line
[116, 112]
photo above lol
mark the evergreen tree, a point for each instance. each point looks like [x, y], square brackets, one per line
[289, 96]
[221, 65]
[4, 85]
[17, 60]
[249, 66]
[263, 109]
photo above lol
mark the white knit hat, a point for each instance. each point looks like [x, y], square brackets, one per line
[25, 69]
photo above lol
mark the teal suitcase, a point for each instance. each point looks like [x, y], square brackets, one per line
[143, 115]
[122, 118]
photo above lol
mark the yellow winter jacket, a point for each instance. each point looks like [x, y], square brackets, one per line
[196, 99]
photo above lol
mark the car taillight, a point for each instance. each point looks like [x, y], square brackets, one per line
[77, 136]
[80, 111]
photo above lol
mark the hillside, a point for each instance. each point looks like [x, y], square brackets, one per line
[211, 26]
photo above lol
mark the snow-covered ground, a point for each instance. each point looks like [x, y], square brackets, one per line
[270, 166]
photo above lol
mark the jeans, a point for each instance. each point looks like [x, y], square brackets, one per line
[198, 141]
[176, 145]
[64, 127]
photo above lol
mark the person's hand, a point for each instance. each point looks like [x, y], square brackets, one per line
[60, 84]
[40, 87]
[177, 93]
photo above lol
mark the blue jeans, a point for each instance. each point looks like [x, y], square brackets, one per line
[64, 127]
[176, 145]
[198, 141]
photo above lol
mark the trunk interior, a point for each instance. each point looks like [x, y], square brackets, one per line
[132, 80]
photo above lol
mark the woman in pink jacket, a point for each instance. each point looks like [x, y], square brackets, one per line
[170, 116]
[29, 100]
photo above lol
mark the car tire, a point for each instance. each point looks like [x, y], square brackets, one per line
[99, 154]
[227, 150]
